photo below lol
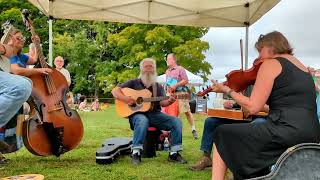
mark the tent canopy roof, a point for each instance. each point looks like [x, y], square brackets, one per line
[202, 13]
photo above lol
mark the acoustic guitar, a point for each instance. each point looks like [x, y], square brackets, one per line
[143, 101]
[231, 114]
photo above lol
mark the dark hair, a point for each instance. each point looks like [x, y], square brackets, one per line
[82, 98]
[276, 40]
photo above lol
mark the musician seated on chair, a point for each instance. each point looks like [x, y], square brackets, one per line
[19, 60]
[14, 90]
[140, 121]
[211, 123]
[282, 81]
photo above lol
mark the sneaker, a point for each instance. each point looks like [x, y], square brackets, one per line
[3, 160]
[202, 164]
[194, 133]
[176, 157]
[136, 159]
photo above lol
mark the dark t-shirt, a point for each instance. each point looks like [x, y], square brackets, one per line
[138, 85]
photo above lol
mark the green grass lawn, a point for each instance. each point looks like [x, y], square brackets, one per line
[80, 163]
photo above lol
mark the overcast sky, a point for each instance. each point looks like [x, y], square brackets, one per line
[298, 20]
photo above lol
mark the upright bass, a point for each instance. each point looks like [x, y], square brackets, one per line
[53, 127]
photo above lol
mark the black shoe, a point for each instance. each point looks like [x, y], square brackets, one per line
[194, 133]
[176, 157]
[3, 160]
[136, 159]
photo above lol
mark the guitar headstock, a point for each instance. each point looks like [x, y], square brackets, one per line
[27, 21]
[7, 29]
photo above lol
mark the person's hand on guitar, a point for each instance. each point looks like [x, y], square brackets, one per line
[171, 99]
[130, 101]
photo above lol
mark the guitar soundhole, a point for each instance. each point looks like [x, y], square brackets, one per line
[139, 100]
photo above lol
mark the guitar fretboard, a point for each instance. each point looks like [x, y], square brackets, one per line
[160, 98]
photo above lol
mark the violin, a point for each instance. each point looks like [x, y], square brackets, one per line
[239, 80]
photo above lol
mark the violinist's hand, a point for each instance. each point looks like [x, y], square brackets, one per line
[245, 113]
[228, 104]
[219, 87]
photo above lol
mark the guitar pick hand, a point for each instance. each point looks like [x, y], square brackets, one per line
[172, 99]
[130, 100]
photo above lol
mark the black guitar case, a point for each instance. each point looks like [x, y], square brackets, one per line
[112, 148]
[300, 162]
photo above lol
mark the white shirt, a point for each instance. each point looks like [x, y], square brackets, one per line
[66, 74]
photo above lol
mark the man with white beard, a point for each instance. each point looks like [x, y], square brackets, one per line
[140, 121]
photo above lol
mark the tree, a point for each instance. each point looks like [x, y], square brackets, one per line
[100, 55]
[136, 42]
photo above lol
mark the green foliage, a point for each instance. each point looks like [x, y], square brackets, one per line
[100, 55]
[11, 10]
[138, 41]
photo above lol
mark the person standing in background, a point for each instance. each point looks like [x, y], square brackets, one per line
[59, 63]
[176, 81]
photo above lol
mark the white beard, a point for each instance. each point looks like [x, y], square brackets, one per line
[148, 78]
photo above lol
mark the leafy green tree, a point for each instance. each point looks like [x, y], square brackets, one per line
[100, 55]
[137, 41]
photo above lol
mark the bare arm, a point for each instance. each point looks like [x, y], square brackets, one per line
[16, 69]
[33, 56]
[268, 71]
[118, 94]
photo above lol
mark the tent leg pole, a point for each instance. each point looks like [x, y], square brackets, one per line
[50, 41]
[246, 48]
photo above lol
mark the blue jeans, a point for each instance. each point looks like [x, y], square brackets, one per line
[141, 121]
[14, 91]
[210, 124]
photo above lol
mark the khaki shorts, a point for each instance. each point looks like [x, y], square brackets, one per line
[183, 104]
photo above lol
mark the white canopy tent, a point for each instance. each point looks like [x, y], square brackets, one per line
[203, 13]
[194, 80]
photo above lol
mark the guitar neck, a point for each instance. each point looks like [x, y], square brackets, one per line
[154, 99]
[160, 98]
[40, 55]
